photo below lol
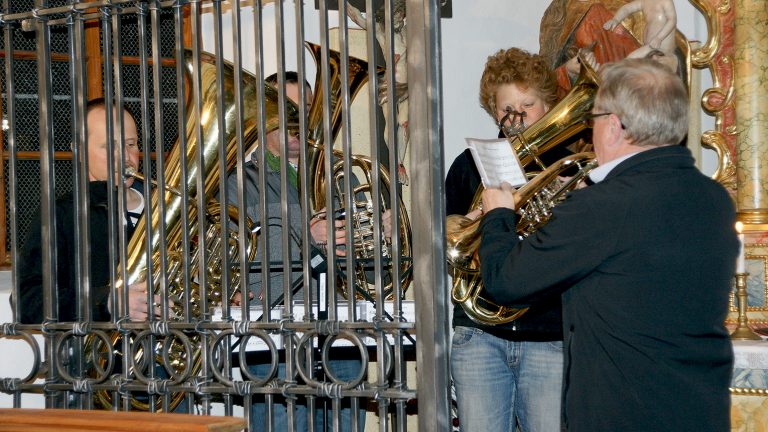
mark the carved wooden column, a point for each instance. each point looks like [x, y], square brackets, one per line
[751, 96]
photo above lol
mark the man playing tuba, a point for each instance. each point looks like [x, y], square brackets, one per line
[343, 369]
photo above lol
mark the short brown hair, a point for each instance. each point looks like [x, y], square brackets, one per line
[516, 66]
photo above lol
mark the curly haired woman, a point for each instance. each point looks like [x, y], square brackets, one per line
[507, 375]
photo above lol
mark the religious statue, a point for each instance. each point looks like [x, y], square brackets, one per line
[609, 29]
[660, 25]
[570, 25]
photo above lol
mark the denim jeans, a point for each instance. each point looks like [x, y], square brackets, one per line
[344, 370]
[500, 384]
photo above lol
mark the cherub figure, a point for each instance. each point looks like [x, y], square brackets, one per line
[660, 24]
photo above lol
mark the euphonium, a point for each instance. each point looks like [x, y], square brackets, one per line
[533, 204]
[535, 199]
[361, 216]
[170, 222]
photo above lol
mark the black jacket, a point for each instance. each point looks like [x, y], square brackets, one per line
[31, 262]
[645, 261]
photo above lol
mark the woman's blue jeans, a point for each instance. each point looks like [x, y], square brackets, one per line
[501, 383]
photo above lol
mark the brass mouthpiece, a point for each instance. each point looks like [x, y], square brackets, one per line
[131, 172]
[513, 122]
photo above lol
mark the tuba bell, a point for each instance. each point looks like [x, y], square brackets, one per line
[185, 358]
[361, 215]
[534, 201]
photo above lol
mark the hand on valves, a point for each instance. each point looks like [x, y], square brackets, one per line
[503, 196]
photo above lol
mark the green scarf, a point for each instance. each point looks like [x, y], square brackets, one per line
[274, 164]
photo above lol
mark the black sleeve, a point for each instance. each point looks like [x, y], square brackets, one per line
[31, 268]
[31, 277]
[523, 272]
[461, 184]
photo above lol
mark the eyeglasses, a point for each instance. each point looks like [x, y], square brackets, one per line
[589, 119]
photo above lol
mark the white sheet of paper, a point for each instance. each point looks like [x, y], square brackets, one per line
[496, 162]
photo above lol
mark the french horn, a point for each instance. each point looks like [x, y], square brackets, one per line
[534, 202]
[361, 215]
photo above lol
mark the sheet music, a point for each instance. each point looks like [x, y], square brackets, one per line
[496, 162]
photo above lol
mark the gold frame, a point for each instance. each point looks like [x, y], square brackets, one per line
[756, 256]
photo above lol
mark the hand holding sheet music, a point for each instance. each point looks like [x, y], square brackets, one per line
[496, 162]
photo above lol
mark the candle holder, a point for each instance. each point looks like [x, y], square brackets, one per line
[743, 331]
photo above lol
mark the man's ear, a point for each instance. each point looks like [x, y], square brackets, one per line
[615, 126]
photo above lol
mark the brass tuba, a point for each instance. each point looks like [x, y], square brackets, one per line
[534, 200]
[184, 362]
[361, 216]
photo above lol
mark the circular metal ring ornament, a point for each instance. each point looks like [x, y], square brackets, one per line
[355, 339]
[35, 353]
[274, 357]
[101, 373]
[176, 377]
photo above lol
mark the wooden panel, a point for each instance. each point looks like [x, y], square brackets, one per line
[70, 420]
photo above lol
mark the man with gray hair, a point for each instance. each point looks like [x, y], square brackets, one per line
[646, 255]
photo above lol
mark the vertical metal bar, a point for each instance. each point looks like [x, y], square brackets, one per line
[81, 198]
[304, 198]
[426, 127]
[47, 195]
[349, 198]
[285, 210]
[218, 41]
[118, 140]
[242, 261]
[399, 381]
[303, 169]
[155, 277]
[261, 162]
[141, 24]
[182, 98]
[373, 90]
[80, 160]
[202, 252]
[325, 74]
[346, 145]
[10, 133]
[157, 94]
[237, 61]
[184, 110]
[325, 84]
